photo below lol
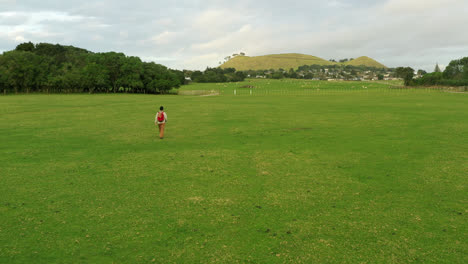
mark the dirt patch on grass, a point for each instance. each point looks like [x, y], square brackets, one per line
[212, 94]
[199, 92]
[222, 201]
[301, 128]
[196, 199]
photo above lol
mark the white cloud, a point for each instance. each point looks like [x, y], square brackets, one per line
[97, 37]
[399, 7]
[123, 34]
[165, 37]
[214, 23]
[211, 18]
[201, 61]
[337, 4]
[19, 39]
[40, 16]
[34, 24]
[165, 21]
[159, 59]
[194, 34]
[230, 40]
[11, 18]
[248, 39]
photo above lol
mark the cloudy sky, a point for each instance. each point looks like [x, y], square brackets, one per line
[190, 34]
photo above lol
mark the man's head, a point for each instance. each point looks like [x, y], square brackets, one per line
[161, 108]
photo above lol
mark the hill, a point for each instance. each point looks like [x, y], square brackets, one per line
[364, 60]
[289, 60]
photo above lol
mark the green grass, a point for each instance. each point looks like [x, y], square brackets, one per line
[352, 177]
[290, 60]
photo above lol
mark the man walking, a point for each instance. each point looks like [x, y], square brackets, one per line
[160, 120]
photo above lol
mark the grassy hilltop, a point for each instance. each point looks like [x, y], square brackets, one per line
[364, 60]
[290, 60]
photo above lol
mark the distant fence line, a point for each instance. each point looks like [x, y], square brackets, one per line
[314, 91]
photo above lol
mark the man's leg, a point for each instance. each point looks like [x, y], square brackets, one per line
[161, 130]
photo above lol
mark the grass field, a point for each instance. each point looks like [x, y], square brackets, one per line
[352, 177]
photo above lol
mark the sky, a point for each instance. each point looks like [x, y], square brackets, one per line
[189, 34]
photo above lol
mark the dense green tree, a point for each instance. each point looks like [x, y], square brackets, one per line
[292, 73]
[229, 70]
[277, 75]
[43, 70]
[457, 69]
[218, 75]
[251, 73]
[180, 76]
[113, 61]
[3, 75]
[406, 73]
[95, 77]
[213, 76]
[235, 77]
[309, 75]
[55, 68]
[27, 46]
[429, 79]
[130, 74]
[421, 72]
[455, 74]
[158, 80]
[67, 79]
[21, 68]
[196, 75]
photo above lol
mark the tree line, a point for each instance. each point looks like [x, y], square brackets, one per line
[56, 68]
[216, 75]
[322, 72]
[455, 74]
[342, 60]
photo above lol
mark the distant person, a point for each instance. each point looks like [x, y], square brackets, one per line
[160, 120]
